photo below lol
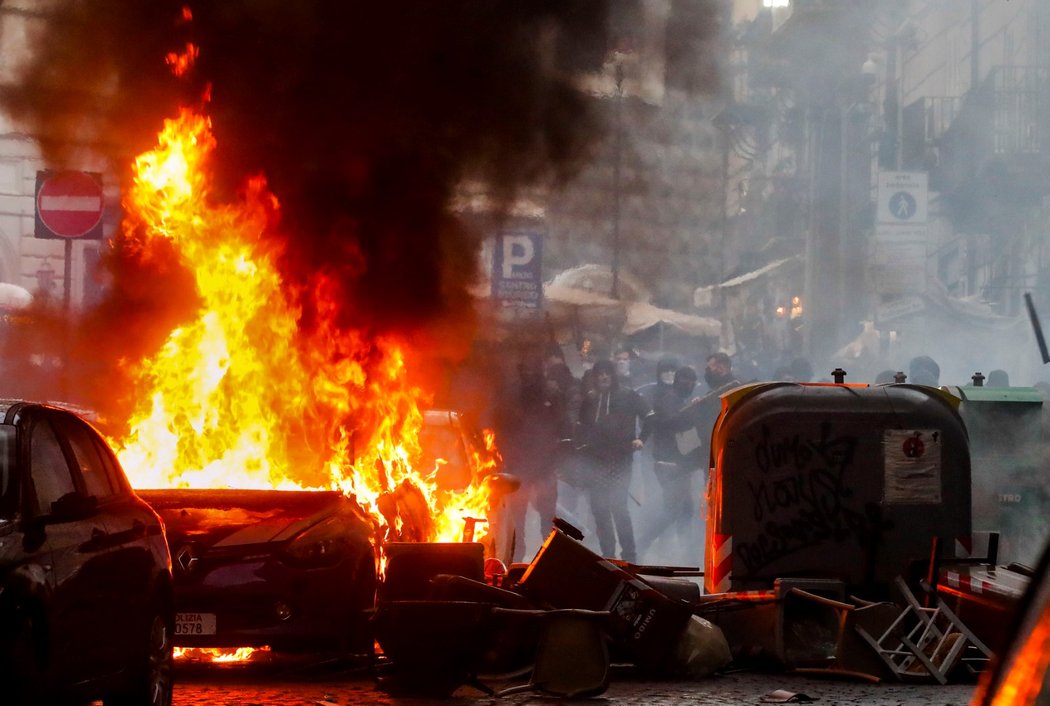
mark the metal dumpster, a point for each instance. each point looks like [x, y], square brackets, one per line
[1008, 451]
[838, 481]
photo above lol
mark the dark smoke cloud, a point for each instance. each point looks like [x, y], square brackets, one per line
[363, 117]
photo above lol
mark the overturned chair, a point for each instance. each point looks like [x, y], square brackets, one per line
[433, 647]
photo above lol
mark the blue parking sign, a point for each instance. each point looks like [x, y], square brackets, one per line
[517, 269]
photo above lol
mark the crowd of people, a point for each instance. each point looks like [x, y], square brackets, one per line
[622, 451]
[579, 446]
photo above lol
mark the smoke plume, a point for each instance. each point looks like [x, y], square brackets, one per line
[363, 117]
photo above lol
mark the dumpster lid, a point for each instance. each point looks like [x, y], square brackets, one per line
[1020, 395]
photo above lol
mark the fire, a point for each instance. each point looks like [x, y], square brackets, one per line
[1023, 682]
[218, 655]
[242, 396]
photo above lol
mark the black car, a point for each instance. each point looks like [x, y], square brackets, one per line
[86, 609]
[293, 570]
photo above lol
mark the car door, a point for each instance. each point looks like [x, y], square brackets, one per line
[73, 532]
[124, 560]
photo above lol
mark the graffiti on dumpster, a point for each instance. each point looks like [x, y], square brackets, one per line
[800, 498]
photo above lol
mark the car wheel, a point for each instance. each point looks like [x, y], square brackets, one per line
[151, 679]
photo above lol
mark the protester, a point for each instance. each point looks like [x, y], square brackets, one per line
[998, 378]
[625, 359]
[923, 370]
[703, 412]
[532, 425]
[607, 437]
[885, 377]
[664, 378]
[563, 385]
[677, 454]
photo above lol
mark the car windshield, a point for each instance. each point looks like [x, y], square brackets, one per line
[8, 488]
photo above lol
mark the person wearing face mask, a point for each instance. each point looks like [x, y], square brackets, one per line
[718, 373]
[676, 454]
[607, 437]
[625, 362]
[704, 411]
[665, 368]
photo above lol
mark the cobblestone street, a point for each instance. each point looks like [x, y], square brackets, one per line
[253, 687]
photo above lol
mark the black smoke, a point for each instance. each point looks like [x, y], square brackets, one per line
[363, 117]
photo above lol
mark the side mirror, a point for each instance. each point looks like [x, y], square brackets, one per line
[73, 506]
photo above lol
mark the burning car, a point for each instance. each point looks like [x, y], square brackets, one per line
[85, 574]
[292, 570]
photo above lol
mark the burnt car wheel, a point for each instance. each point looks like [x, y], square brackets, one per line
[151, 679]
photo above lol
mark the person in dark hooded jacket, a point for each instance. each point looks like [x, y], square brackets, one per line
[532, 425]
[677, 456]
[608, 435]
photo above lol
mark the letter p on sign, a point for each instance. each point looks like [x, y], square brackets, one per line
[518, 251]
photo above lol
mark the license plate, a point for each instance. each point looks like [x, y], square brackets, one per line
[195, 623]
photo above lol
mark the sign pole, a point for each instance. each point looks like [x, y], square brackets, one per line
[67, 275]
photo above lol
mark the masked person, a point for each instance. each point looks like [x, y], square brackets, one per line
[607, 437]
[704, 411]
[625, 361]
[677, 455]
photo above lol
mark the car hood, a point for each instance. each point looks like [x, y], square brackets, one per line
[228, 519]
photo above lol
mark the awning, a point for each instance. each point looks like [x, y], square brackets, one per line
[641, 316]
[598, 280]
[13, 297]
[701, 295]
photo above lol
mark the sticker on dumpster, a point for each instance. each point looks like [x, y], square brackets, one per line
[913, 466]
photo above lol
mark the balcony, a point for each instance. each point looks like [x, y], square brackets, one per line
[924, 123]
[995, 156]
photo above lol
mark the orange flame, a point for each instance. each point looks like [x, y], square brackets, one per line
[241, 397]
[218, 655]
[181, 63]
[1024, 680]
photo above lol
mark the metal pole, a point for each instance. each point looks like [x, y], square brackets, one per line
[724, 215]
[840, 255]
[617, 156]
[67, 275]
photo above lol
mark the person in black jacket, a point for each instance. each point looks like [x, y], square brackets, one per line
[677, 453]
[532, 424]
[608, 436]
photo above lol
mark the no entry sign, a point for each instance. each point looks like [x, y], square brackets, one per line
[68, 205]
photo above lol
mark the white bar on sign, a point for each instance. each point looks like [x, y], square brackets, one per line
[71, 203]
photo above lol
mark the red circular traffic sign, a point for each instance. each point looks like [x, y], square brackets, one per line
[70, 203]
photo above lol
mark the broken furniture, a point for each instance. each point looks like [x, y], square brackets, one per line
[985, 595]
[645, 624]
[433, 648]
[572, 657]
[797, 624]
[926, 643]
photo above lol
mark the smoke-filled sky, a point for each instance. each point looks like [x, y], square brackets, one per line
[362, 116]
